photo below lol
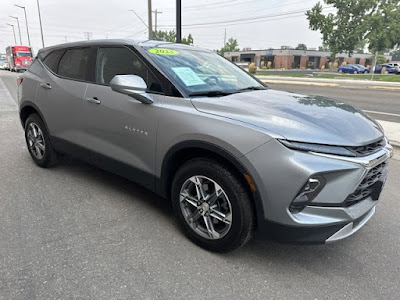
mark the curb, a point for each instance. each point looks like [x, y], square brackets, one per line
[326, 80]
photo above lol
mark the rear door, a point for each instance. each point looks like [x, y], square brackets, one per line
[118, 126]
[61, 90]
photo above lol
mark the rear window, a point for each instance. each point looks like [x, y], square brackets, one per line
[52, 60]
[75, 64]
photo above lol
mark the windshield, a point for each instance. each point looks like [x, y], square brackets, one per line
[201, 72]
[19, 54]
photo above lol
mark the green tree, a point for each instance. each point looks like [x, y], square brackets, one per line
[170, 36]
[374, 21]
[324, 47]
[231, 45]
[380, 59]
[301, 47]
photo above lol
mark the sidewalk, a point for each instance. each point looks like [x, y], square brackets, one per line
[6, 101]
[392, 132]
[331, 82]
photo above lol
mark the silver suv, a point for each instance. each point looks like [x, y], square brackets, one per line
[234, 157]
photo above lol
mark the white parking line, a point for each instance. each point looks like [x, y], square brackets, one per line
[381, 113]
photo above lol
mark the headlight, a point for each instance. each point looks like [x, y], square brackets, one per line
[335, 150]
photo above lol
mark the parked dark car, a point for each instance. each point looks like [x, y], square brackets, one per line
[389, 69]
[363, 68]
[350, 69]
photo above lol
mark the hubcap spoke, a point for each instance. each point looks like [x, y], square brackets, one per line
[210, 228]
[40, 145]
[189, 199]
[199, 187]
[226, 218]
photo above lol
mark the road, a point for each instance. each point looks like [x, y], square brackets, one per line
[75, 232]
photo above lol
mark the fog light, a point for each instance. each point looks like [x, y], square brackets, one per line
[308, 192]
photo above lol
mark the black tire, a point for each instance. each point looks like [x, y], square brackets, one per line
[243, 219]
[49, 158]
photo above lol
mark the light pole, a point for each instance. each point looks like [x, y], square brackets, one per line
[178, 21]
[150, 19]
[40, 21]
[15, 39]
[26, 21]
[19, 29]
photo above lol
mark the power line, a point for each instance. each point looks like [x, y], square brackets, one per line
[245, 20]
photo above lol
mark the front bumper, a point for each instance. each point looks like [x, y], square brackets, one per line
[279, 174]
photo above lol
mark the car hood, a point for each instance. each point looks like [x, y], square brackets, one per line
[296, 117]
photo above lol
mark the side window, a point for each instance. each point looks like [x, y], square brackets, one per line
[122, 61]
[75, 64]
[51, 60]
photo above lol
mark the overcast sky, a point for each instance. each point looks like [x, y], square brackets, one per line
[259, 24]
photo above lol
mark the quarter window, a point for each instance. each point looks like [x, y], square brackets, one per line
[122, 61]
[75, 64]
[52, 60]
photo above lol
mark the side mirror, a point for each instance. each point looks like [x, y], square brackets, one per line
[131, 85]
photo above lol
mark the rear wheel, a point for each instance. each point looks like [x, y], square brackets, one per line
[213, 207]
[38, 142]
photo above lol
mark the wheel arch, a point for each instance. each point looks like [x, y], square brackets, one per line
[184, 151]
[28, 108]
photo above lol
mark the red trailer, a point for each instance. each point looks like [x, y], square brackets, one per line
[19, 57]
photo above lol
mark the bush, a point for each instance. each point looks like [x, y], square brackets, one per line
[262, 64]
[269, 64]
[327, 65]
[252, 68]
[323, 68]
[335, 65]
[344, 63]
[383, 71]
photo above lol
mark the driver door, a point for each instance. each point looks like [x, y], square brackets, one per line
[120, 128]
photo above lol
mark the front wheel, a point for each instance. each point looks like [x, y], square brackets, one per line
[213, 207]
[38, 142]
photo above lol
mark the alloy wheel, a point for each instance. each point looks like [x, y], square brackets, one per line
[206, 207]
[36, 141]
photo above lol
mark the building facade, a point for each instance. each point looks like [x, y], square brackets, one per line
[296, 59]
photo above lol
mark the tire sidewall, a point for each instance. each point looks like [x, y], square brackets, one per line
[242, 217]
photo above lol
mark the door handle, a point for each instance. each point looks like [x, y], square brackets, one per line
[46, 86]
[93, 100]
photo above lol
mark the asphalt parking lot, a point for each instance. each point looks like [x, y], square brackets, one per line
[75, 232]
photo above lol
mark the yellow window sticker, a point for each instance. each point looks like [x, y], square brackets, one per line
[163, 51]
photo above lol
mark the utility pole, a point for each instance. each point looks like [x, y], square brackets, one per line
[156, 12]
[26, 22]
[15, 39]
[40, 21]
[88, 35]
[19, 29]
[225, 38]
[178, 21]
[150, 19]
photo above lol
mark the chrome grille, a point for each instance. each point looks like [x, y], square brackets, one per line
[370, 186]
[368, 149]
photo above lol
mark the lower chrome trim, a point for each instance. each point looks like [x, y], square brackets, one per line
[350, 229]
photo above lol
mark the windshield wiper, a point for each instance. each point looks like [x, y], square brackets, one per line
[251, 88]
[211, 93]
